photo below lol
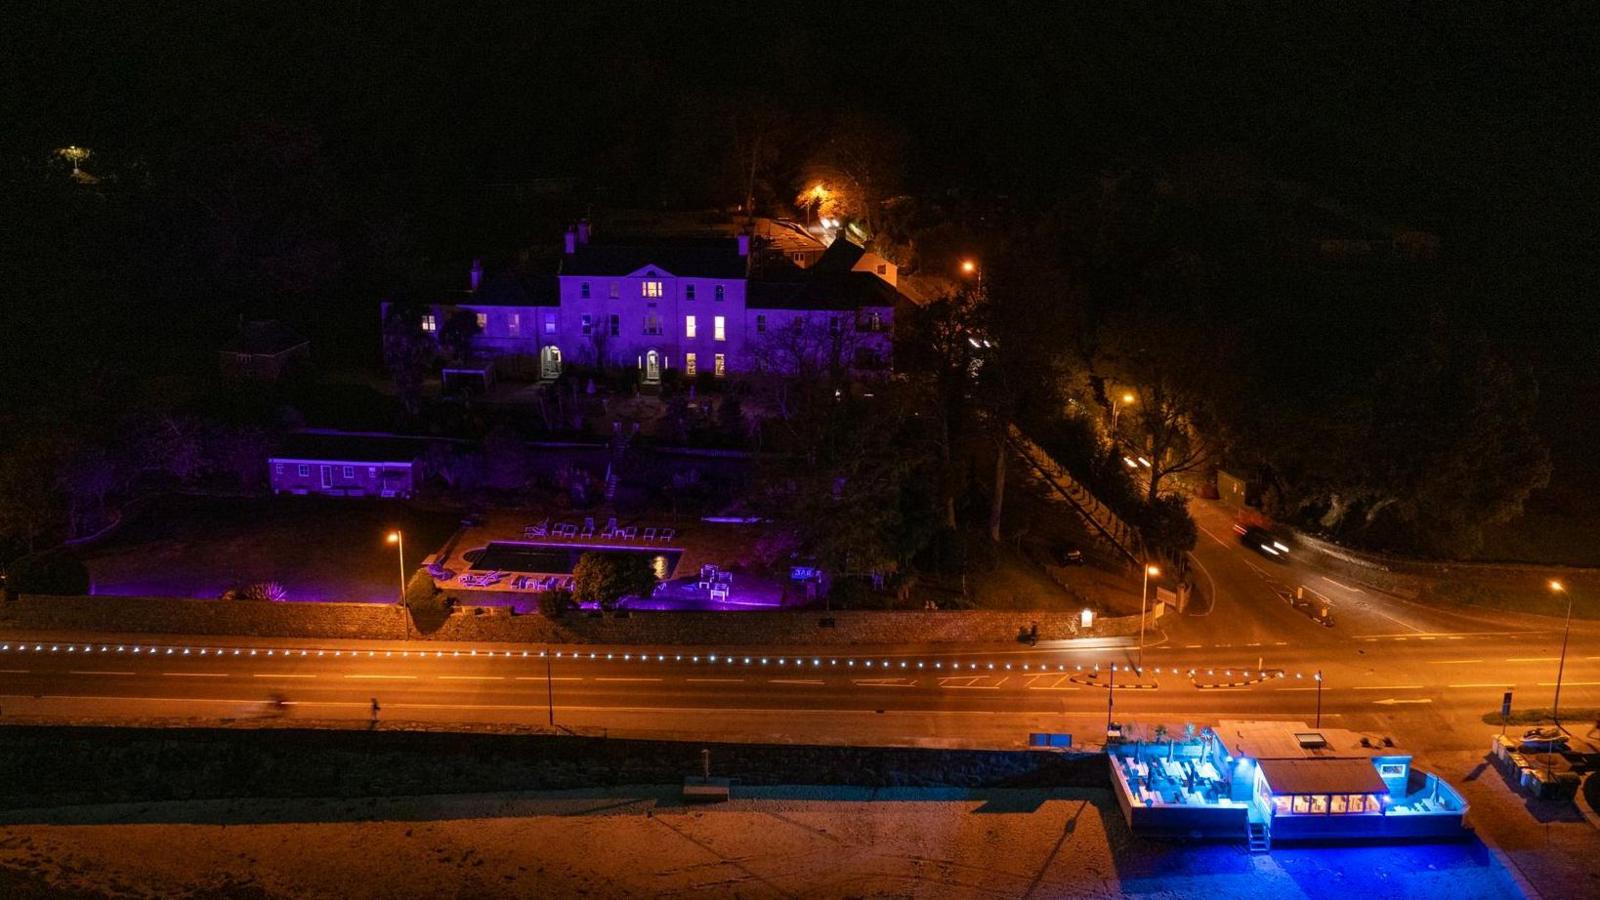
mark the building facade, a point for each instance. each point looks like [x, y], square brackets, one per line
[346, 465]
[721, 306]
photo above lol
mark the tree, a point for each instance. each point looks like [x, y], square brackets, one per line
[553, 604]
[408, 354]
[56, 572]
[458, 332]
[606, 578]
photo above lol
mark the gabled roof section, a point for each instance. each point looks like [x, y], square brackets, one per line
[823, 291]
[683, 257]
[514, 289]
[350, 448]
[840, 257]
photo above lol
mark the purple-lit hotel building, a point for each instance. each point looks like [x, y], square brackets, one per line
[726, 305]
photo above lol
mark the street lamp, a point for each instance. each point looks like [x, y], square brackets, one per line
[968, 267]
[1555, 707]
[394, 537]
[1144, 599]
[1127, 399]
[1319, 698]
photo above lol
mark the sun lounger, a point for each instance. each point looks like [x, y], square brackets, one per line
[649, 535]
[610, 529]
[539, 530]
[666, 535]
[631, 532]
[588, 528]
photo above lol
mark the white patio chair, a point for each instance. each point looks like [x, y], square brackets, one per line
[666, 535]
[649, 535]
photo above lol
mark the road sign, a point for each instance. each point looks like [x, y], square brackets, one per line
[1505, 706]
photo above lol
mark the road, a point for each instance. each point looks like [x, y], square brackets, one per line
[1388, 666]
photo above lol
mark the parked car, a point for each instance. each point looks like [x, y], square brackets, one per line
[1068, 554]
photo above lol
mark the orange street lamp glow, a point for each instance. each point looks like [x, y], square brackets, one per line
[1152, 571]
[1127, 397]
[393, 537]
[1557, 586]
[968, 266]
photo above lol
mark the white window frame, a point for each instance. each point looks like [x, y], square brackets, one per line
[586, 323]
[719, 328]
[689, 327]
[350, 473]
[690, 365]
[430, 323]
[483, 321]
[303, 470]
[652, 289]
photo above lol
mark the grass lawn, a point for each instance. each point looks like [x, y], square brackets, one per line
[318, 548]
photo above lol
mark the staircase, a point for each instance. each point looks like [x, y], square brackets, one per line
[1259, 836]
[1098, 519]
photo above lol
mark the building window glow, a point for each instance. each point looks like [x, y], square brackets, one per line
[549, 323]
[483, 321]
[651, 289]
[690, 365]
[430, 324]
[717, 329]
[689, 326]
[721, 365]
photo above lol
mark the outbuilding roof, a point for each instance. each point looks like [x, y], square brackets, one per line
[820, 290]
[350, 448]
[1322, 776]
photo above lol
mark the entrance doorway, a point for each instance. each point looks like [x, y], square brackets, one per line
[550, 362]
[652, 367]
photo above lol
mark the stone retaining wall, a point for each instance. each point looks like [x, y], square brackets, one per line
[166, 615]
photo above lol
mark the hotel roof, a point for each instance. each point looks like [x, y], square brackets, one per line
[1293, 740]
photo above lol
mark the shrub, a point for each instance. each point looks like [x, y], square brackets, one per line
[55, 572]
[262, 590]
[554, 604]
[605, 578]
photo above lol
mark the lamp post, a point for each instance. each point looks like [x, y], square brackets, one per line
[1561, 667]
[549, 688]
[396, 538]
[1127, 399]
[1144, 601]
[1319, 698]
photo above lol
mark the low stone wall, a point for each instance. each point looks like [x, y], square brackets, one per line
[1495, 585]
[166, 615]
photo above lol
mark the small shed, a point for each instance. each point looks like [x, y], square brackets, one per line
[264, 350]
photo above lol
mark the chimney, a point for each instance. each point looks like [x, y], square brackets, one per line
[572, 241]
[583, 232]
[477, 274]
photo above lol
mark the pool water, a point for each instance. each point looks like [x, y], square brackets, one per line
[556, 559]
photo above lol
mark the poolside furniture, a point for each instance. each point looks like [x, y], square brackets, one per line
[588, 527]
[708, 572]
[610, 530]
[631, 532]
[666, 535]
[539, 530]
[649, 535]
[719, 593]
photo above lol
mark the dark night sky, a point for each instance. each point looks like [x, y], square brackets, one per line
[1472, 121]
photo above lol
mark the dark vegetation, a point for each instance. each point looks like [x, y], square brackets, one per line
[1316, 247]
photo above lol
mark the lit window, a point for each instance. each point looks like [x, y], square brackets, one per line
[349, 471]
[616, 325]
[721, 362]
[761, 324]
[689, 365]
[689, 326]
[1280, 806]
[688, 292]
[1341, 804]
[616, 289]
[875, 321]
[587, 322]
[1319, 804]
[721, 292]
[514, 324]
[651, 289]
[717, 329]
[429, 323]
[549, 323]
[1302, 804]
[483, 321]
[652, 323]
[304, 470]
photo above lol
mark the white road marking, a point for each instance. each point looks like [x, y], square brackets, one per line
[1452, 662]
[795, 681]
[1570, 683]
[1497, 684]
[13, 671]
[542, 678]
[95, 672]
[886, 682]
[1338, 585]
[472, 678]
[1532, 658]
[1389, 687]
[597, 678]
[384, 677]
[195, 674]
[716, 680]
[281, 675]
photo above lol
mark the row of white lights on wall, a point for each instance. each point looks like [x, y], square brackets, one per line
[815, 662]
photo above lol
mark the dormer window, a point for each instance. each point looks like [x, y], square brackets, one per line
[652, 289]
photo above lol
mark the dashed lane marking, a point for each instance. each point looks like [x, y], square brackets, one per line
[472, 678]
[96, 672]
[795, 681]
[1452, 662]
[383, 677]
[195, 674]
[1532, 658]
[1389, 687]
[281, 675]
[715, 680]
[598, 678]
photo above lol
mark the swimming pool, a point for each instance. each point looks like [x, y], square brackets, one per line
[558, 559]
